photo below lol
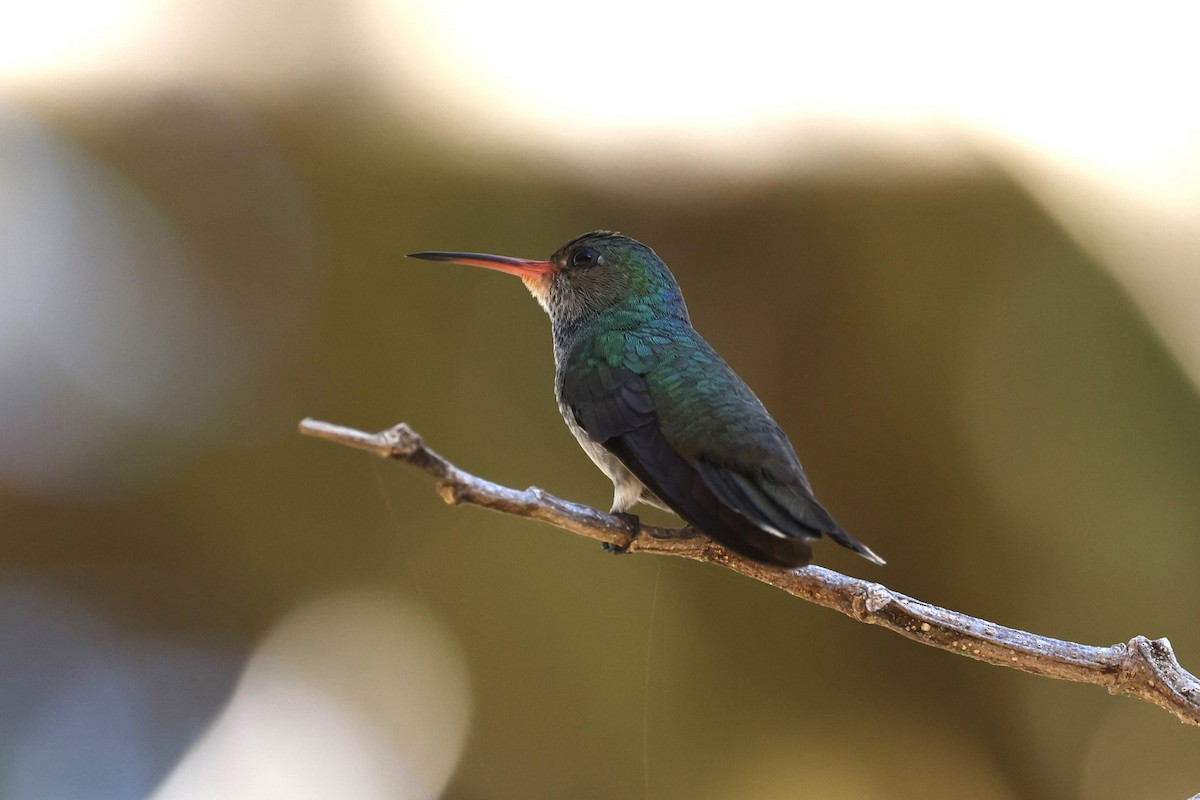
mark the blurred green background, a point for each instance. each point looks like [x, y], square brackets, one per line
[975, 316]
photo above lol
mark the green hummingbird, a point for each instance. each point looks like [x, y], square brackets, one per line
[655, 407]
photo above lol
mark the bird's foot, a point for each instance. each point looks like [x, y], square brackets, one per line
[633, 522]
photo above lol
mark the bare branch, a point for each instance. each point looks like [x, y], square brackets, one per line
[1141, 668]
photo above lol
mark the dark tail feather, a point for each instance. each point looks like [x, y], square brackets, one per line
[808, 506]
[790, 511]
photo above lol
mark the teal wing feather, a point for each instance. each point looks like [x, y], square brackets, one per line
[713, 418]
[670, 409]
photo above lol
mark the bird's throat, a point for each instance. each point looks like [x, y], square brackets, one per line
[539, 287]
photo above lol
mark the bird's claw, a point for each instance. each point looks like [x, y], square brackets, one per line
[633, 522]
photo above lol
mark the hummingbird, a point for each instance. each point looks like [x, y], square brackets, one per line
[655, 407]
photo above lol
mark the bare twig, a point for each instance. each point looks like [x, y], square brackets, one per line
[1141, 668]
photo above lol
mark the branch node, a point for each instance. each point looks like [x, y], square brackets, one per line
[402, 441]
[450, 492]
[877, 597]
[869, 599]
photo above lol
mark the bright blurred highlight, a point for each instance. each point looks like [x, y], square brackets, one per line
[59, 36]
[748, 77]
[353, 695]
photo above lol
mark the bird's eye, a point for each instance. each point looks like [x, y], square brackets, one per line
[586, 257]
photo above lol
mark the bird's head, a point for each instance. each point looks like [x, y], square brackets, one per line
[588, 276]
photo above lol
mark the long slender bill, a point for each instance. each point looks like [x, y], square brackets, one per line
[522, 267]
